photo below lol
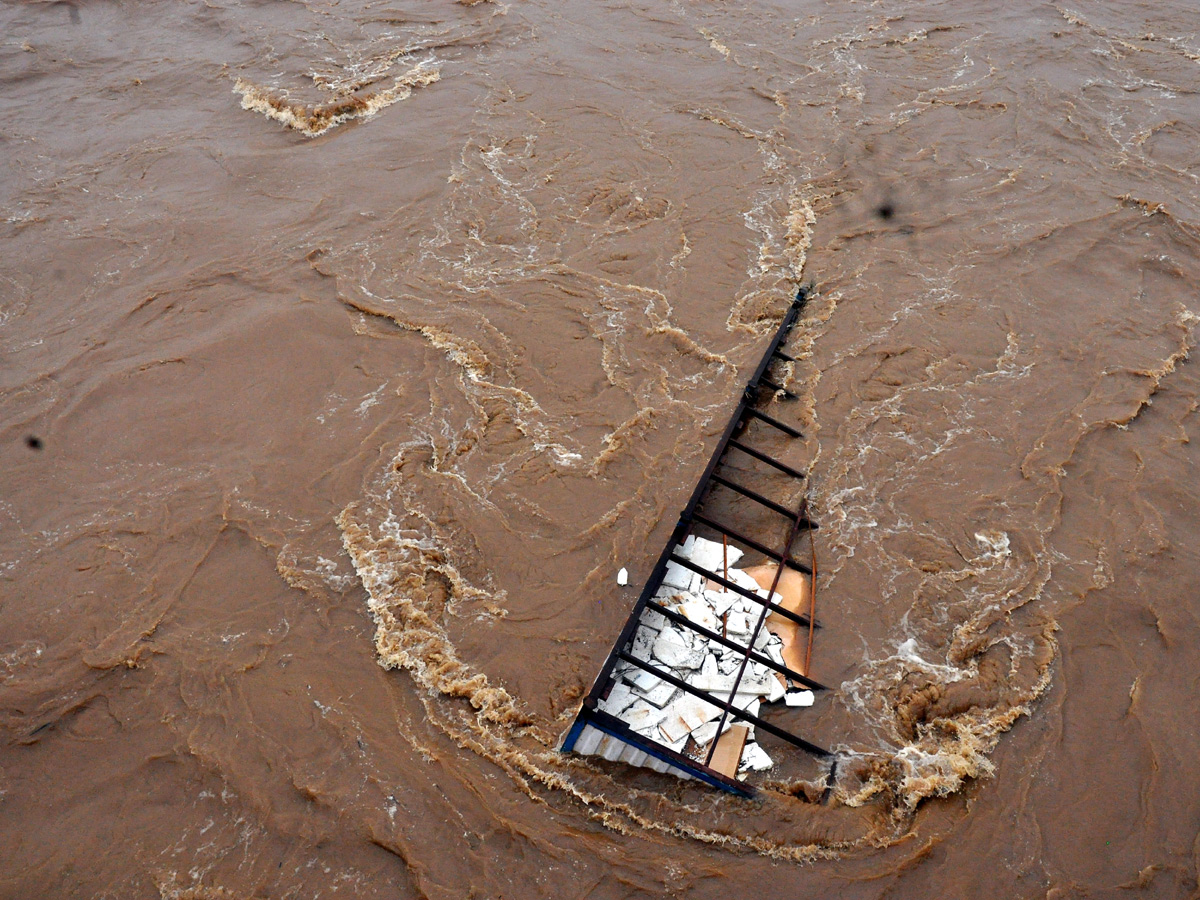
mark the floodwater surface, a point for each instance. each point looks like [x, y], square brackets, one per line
[348, 349]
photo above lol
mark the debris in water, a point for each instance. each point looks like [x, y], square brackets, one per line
[708, 643]
[623, 577]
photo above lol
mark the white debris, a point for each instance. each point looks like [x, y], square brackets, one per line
[737, 624]
[721, 601]
[706, 732]
[641, 679]
[700, 613]
[685, 715]
[755, 759]
[672, 649]
[748, 702]
[677, 577]
[741, 579]
[660, 695]
[671, 716]
[643, 640]
[774, 650]
[642, 717]
[712, 679]
[778, 691]
[619, 699]
[712, 555]
[653, 620]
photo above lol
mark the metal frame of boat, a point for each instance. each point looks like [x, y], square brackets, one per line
[596, 732]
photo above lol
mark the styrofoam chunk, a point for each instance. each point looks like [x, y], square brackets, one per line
[755, 759]
[654, 620]
[700, 613]
[778, 691]
[677, 577]
[641, 679]
[659, 695]
[672, 648]
[720, 601]
[685, 715]
[741, 579]
[712, 555]
[623, 577]
[800, 698]
[642, 716]
[708, 731]
[711, 678]
[620, 698]
[774, 652]
[643, 640]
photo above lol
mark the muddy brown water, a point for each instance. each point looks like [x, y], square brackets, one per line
[349, 349]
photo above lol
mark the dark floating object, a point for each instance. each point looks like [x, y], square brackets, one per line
[707, 710]
[33, 442]
[885, 211]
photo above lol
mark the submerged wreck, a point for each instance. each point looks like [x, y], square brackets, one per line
[710, 647]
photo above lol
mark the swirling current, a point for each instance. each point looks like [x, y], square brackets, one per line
[350, 348]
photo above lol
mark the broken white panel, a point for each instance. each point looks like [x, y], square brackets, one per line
[676, 745]
[756, 678]
[700, 613]
[641, 679]
[642, 717]
[712, 555]
[659, 695]
[653, 620]
[672, 648]
[711, 678]
[741, 579]
[768, 596]
[737, 624]
[677, 577]
[755, 759]
[685, 715]
[619, 699]
[760, 639]
[748, 702]
[778, 691]
[774, 652]
[678, 651]
[721, 601]
[643, 640]
[706, 732]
